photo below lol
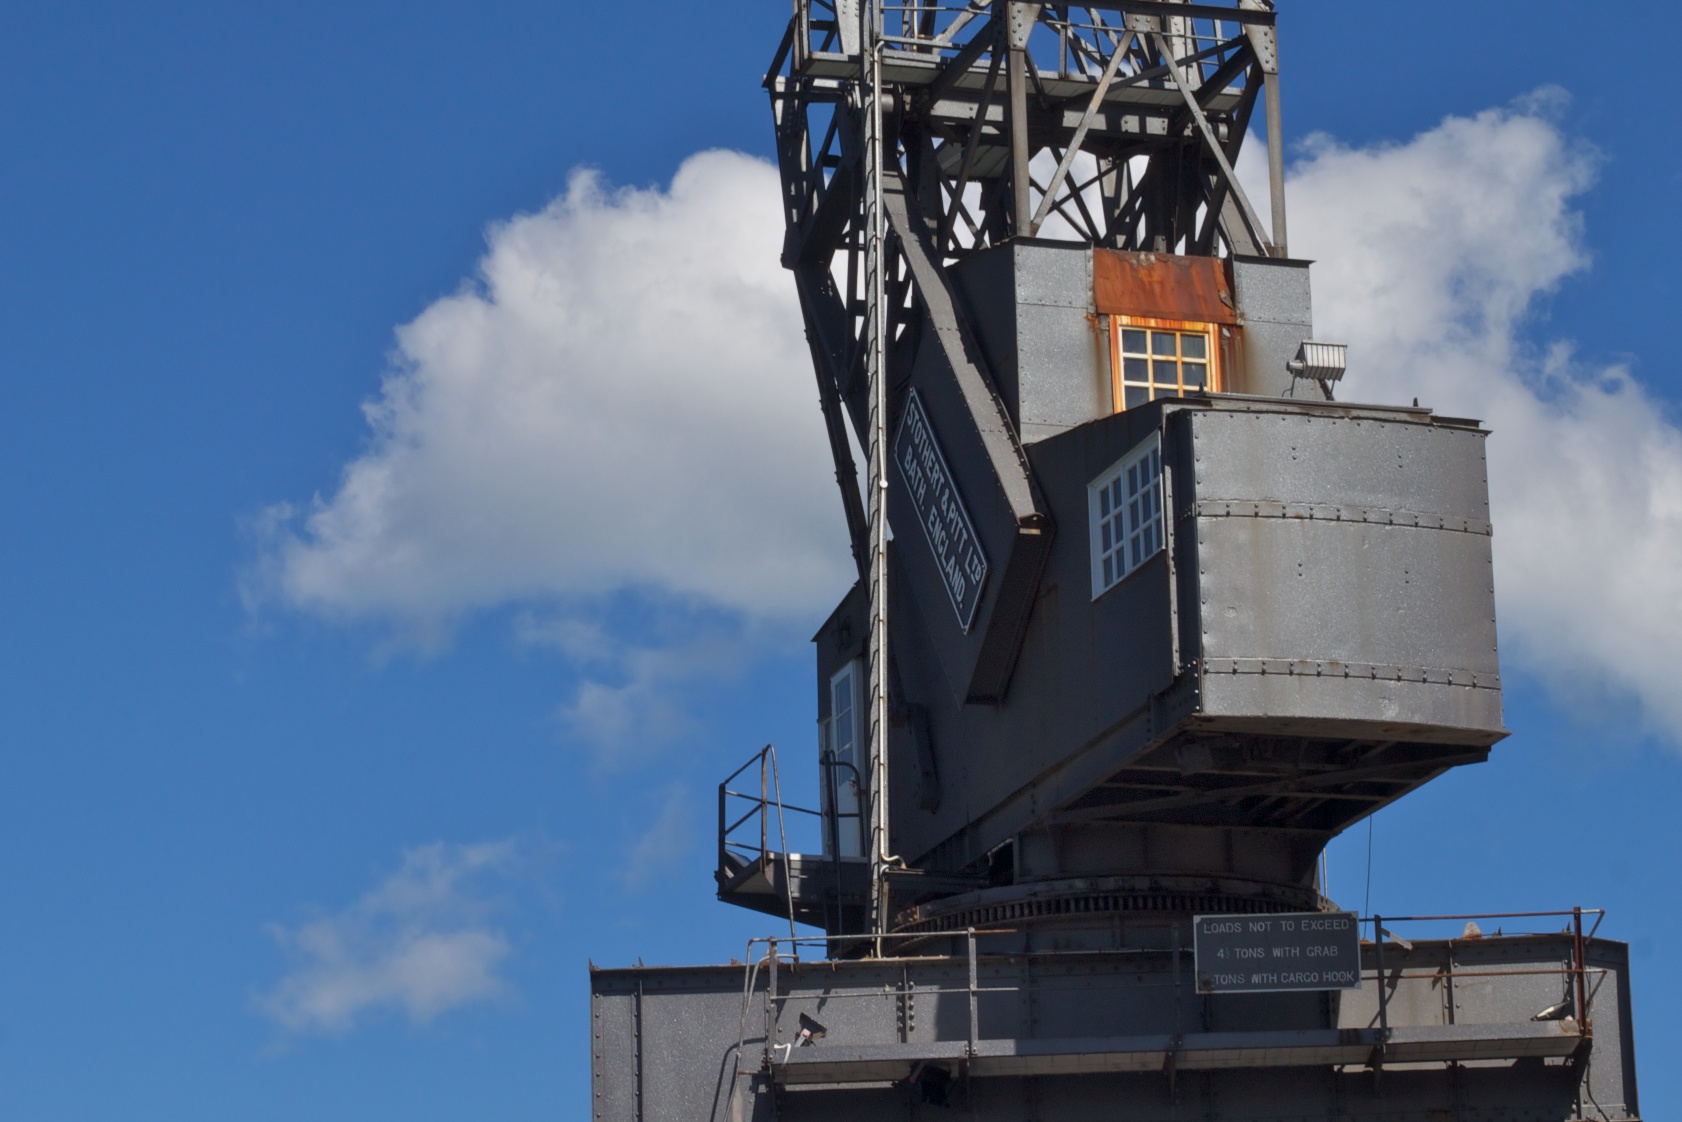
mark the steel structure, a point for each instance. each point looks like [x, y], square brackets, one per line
[1463, 1029]
[908, 137]
[1137, 630]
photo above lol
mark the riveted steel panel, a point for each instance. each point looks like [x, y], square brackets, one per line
[1099, 1035]
[1276, 311]
[1063, 364]
[1350, 457]
[1344, 571]
[1030, 305]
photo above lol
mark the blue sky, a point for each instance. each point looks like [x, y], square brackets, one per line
[320, 811]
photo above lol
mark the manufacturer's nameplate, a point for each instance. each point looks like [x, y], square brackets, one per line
[940, 511]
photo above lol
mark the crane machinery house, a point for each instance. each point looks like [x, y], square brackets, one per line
[1158, 617]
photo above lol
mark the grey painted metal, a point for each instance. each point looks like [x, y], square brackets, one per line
[986, 456]
[1331, 581]
[1089, 763]
[1277, 314]
[1032, 307]
[923, 111]
[945, 114]
[1331, 591]
[1116, 1034]
[961, 82]
[1198, 1051]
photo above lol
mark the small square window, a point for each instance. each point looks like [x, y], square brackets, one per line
[1161, 358]
[1125, 505]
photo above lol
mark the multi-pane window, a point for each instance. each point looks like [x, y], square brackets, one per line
[1156, 358]
[843, 755]
[1126, 515]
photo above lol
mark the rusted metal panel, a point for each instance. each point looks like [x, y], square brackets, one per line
[1163, 286]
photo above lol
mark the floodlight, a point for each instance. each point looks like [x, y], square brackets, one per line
[1323, 362]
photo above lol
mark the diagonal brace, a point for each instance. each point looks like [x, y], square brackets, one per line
[1252, 221]
[1081, 130]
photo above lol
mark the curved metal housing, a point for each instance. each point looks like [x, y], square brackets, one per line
[1316, 639]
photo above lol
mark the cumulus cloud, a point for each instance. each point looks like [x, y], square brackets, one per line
[622, 397]
[419, 942]
[1431, 256]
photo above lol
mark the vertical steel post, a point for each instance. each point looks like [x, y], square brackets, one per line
[723, 823]
[974, 994]
[1579, 949]
[1264, 41]
[770, 1002]
[1383, 1001]
[1019, 23]
[636, 1025]
[1275, 163]
[832, 826]
[875, 338]
[1179, 990]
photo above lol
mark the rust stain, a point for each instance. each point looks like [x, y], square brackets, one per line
[1162, 286]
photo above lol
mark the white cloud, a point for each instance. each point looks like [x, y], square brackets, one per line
[419, 942]
[1430, 256]
[623, 398]
[666, 841]
[629, 701]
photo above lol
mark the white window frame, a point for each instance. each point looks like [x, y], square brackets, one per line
[847, 832]
[849, 672]
[1137, 524]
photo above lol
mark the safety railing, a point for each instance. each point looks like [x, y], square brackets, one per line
[733, 840]
[753, 811]
[1579, 1004]
[745, 820]
[773, 999]
[1582, 977]
[832, 813]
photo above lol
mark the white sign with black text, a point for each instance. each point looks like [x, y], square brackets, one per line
[940, 511]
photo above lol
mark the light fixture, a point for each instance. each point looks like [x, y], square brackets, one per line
[1322, 362]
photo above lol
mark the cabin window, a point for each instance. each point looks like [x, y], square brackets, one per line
[1126, 521]
[843, 757]
[1154, 358]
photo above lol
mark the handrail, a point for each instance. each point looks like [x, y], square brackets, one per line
[734, 844]
[1581, 996]
[828, 762]
[770, 795]
[1492, 915]
[969, 984]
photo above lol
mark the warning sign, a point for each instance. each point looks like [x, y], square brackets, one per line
[1268, 953]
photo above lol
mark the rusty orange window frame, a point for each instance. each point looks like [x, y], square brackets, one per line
[1210, 332]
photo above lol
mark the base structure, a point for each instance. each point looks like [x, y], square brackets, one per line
[1098, 1017]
